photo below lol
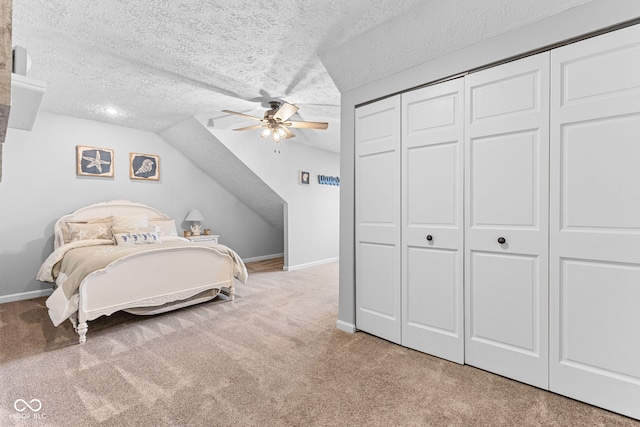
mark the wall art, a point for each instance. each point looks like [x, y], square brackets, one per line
[144, 166]
[304, 178]
[93, 161]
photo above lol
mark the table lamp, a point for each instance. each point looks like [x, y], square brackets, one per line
[194, 217]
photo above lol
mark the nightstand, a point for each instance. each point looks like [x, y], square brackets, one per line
[211, 238]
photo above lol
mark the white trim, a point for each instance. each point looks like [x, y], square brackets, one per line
[263, 257]
[346, 327]
[25, 295]
[309, 264]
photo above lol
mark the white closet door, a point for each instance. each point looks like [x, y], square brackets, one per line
[595, 221]
[507, 191]
[377, 214]
[432, 206]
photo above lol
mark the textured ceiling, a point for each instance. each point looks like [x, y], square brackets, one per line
[159, 62]
[432, 29]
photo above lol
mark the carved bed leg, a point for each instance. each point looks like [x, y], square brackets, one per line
[74, 321]
[230, 292]
[82, 332]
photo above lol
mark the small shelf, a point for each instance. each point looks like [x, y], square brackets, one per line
[26, 98]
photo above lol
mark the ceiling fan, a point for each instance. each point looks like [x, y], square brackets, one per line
[276, 123]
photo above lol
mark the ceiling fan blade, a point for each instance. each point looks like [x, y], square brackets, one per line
[288, 133]
[308, 125]
[242, 114]
[250, 127]
[285, 111]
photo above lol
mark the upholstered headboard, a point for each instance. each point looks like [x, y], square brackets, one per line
[102, 210]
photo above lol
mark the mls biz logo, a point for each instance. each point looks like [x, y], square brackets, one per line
[34, 405]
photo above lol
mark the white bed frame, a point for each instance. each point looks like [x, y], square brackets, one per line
[147, 283]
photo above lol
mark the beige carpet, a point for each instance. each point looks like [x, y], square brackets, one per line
[271, 357]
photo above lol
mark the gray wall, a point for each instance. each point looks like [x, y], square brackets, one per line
[40, 184]
[312, 211]
[592, 16]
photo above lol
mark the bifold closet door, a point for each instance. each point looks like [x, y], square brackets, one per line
[506, 219]
[595, 221]
[377, 216]
[432, 220]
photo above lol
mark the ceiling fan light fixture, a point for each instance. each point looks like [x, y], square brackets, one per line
[274, 123]
[266, 132]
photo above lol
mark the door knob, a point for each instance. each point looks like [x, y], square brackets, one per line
[501, 240]
[429, 237]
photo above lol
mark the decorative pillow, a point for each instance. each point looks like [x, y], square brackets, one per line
[129, 222]
[66, 234]
[125, 239]
[164, 227]
[115, 230]
[78, 231]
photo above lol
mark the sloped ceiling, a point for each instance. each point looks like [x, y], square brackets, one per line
[229, 171]
[430, 30]
[159, 62]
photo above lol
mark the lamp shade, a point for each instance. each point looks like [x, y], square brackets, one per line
[194, 215]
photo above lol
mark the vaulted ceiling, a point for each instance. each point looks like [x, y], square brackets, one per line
[158, 62]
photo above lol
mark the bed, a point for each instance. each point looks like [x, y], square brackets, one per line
[122, 255]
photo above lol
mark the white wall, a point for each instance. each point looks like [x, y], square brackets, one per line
[313, 211]
[39, 184]
[584, 19]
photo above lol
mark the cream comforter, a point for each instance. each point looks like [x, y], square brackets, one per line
[68, 265]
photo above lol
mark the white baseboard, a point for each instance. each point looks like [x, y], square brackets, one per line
[346, 327]
[25, 295]
[309, 264]
[263, 257]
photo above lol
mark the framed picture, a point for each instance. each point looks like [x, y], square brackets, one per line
[144, 166]
[304, 178]
[93, 161]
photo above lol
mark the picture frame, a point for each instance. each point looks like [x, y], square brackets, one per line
[144, 166]
[94, 161]
[304, 178]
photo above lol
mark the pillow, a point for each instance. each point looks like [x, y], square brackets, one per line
[164, 227]
[115, 230]
[66, 235]
[79, 231]
[124, 239]
[129, 222]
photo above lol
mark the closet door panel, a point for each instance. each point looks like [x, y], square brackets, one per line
[377, 205]
[505, 180]
[431, 184]
[506, 214]
[432, 265]
[425, 308]
[596, 167]
[595, 221]
[510, 321]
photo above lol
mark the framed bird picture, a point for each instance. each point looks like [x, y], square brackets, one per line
[144, 166]
[93, 161]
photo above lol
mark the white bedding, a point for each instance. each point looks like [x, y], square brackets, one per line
[68, 265]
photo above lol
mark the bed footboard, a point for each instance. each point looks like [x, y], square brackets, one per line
[155, 282]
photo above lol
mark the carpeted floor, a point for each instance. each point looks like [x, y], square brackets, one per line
[272, 357]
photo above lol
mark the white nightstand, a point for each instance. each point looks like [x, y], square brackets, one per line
[211, 238]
